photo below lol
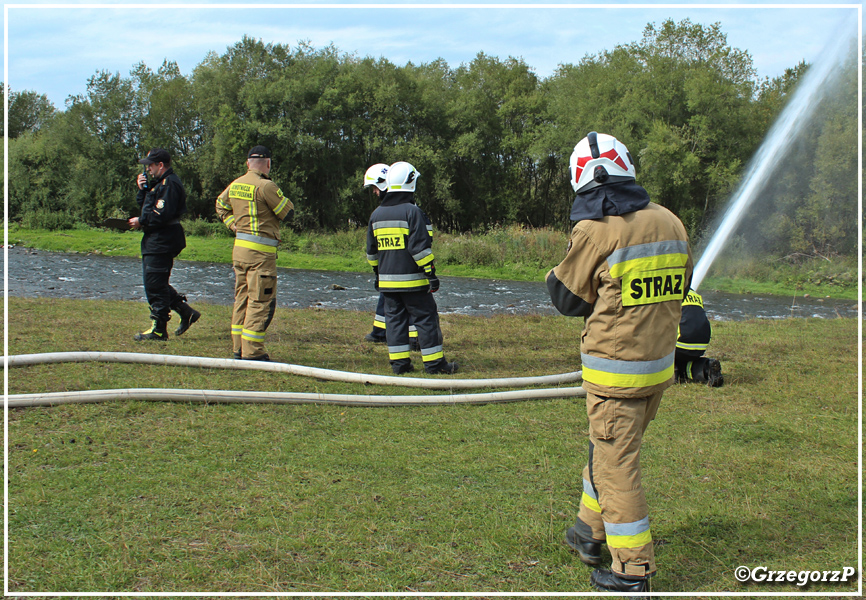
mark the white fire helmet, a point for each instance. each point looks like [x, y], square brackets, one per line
[402, 177]
[599, 158]
[377, 175]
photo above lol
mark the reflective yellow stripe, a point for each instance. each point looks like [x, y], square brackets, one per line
[390, 231]
[627, 379]
[425, 261]
[229, 220]
[237, 329]
[649, 263]
[398, 355]
[685, 346]
[630, 541]
[403, 284]
[434, 356]
[253, 336]
[590, 502]
[255, 246]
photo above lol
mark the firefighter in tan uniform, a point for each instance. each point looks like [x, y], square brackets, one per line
[627, 271]
[252, 207]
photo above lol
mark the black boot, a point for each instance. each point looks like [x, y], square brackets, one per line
[156, 332]
[587, 548]
[443, 368]
[608, 581]
[188, 315]
[714, 373]
[375, 337]
[404, 368]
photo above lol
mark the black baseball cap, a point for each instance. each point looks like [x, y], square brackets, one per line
[259, 152]
[157, 155]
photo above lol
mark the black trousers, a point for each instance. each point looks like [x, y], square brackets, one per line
[419, 308]
[160, 295]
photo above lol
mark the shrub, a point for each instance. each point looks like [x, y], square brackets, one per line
[44, 219]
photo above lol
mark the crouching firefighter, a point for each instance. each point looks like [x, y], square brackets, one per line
[626, 271]
[162, 203]
[252, 206]
[693, 337]
[400, 250]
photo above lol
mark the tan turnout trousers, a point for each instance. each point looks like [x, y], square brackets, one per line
[613, 502]
[255, 303]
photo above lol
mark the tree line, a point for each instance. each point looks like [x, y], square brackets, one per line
[490, 138]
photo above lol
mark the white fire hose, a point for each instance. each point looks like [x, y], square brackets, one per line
[222, 396]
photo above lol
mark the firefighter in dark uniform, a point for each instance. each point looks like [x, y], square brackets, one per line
[252, 206]
[376, 178]
[162, 203]
[399, 248]
[693, 337]
[627, 271]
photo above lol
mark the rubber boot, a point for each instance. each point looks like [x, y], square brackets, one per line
[443, 368]
[375, 337]
[608, 581]
[157, 332]
[587, 548]
[188, 315]
[714, 373]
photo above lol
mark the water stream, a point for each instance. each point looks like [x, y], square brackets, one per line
[817, 82]
[38, 274]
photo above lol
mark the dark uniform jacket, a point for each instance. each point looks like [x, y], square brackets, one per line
[694, 333]
[399, 244]
[161, 208]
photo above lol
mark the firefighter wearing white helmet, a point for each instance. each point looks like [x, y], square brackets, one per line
[627, 270]
[376, 177]
[399, 248]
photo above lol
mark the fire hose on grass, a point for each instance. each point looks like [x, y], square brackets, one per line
[225, 397]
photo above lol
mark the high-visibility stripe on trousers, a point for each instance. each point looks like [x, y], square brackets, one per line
[255, 303]
[612, 503]
[421, 308]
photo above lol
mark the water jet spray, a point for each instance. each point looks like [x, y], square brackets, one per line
[794, 117]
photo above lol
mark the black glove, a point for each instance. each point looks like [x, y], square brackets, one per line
[376, 273]
[434, 282]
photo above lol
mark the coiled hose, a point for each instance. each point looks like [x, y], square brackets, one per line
[222, 396]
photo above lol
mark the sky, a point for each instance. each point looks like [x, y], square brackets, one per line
[54, 48]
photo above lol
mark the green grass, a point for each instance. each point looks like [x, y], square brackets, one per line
[177, 497]
[513, 253]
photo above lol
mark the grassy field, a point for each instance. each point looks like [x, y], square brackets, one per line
[171, 497]
[514, 253]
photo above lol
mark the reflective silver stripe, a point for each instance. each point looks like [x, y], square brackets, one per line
[627, 528]
[398, 349]
[373, 257]
[389, 224]
[409, 277]
[646, 250]
[433, 350]
[422, 254]
[627, 367]
[257, 239]
[587, 489]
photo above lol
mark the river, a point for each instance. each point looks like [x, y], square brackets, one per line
[40, 274]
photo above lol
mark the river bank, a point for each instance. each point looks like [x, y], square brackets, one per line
[514, 253]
